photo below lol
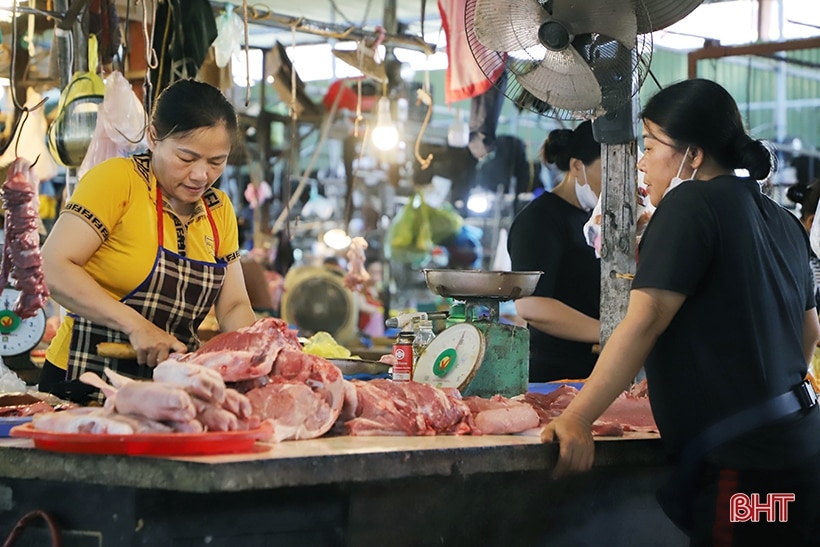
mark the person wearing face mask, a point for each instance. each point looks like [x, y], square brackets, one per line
[722, 316]
[145, 246]
[547, 235]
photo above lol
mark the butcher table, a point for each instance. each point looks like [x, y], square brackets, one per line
[358, 491]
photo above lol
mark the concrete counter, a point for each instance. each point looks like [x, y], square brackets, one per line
[328, 460]
[492, 490]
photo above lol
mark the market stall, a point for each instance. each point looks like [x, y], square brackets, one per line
[453, 490]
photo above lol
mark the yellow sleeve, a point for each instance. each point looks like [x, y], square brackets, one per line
[103, 194]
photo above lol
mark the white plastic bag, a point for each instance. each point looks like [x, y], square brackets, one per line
[9, 381]
[814, 232]
[229, 36]
[121, 124]
[644, 210]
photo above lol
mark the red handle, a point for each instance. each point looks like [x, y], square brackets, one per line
[29, 518]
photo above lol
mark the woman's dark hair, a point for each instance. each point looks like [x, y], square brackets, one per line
[807, 195]
[701, 113]
[563, 144]
[187, 105]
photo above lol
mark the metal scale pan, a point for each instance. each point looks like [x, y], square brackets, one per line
[477, 284]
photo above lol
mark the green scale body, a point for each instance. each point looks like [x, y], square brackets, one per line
[504, 370]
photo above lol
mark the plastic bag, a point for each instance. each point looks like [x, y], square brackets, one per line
[445, 222]
[10, 382]
[814, 232]
[409, 237]
[644, 210]
[121, 124]
[230, 34]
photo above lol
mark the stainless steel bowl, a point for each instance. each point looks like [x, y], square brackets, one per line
[461, 284]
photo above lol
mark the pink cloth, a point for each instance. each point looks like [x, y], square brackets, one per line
[464, 79]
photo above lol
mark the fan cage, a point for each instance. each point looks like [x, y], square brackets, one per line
[620, 75]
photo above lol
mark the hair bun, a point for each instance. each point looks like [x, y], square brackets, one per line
[556, 148]
[753, 156]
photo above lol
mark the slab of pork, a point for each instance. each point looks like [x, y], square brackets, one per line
[501, 416]
[246, 353]
[303, 396]
[383, 407]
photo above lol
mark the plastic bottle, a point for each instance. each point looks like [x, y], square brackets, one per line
[424, 335]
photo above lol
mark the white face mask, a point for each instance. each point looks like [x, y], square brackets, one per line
[676, 180]
[587, 198]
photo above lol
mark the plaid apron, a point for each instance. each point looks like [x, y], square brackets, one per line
[176, 296]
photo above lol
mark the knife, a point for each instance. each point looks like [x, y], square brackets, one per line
[116, 350]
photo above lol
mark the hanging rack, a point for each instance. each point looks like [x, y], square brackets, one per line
[260, 15]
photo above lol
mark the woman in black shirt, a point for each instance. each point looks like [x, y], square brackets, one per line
[722, 316]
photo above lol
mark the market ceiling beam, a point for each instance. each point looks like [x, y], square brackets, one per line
[330, 30]
[763, 49]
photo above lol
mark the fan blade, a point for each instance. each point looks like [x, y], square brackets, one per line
[563, 80]
[508, 25]
[614, 19]
[662, 13]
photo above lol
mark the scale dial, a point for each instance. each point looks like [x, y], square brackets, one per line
[452, 358]
[18, 335]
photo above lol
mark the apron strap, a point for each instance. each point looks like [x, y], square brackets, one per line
[213, 229]
[160, 219]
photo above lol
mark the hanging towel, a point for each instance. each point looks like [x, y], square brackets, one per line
[464, 79]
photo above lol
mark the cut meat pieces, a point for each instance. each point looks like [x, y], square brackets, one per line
[246, 353]
[194, 379]
[303, 397]
[383, 407]
[501, 416]
[626, 413]
[97, 421]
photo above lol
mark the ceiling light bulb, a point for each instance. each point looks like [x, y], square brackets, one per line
[336, 239]
[385, 135]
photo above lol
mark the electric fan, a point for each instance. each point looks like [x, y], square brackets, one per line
[569, 59]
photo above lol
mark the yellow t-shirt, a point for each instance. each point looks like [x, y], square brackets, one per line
[118, 199]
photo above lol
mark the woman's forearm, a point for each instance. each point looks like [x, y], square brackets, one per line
[557, 319]
[74, 289]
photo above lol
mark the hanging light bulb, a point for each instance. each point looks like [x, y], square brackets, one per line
[337, 239]
[385, 134]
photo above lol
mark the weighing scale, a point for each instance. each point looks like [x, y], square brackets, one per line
[480, 356]
[17, 335]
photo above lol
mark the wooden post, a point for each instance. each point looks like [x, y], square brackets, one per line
[618, 248]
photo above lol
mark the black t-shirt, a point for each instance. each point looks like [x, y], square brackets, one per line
[547, 235]
[743, 263]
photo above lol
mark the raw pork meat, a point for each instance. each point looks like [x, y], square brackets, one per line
[21, 258]
[626, 413]
[357, 276]
[204, 404]
[97, 421]
[194, 379]
[383, 407]
[246, 353]
[303, 396]
[501, 416]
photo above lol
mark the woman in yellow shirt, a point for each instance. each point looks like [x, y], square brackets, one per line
[145, 246]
